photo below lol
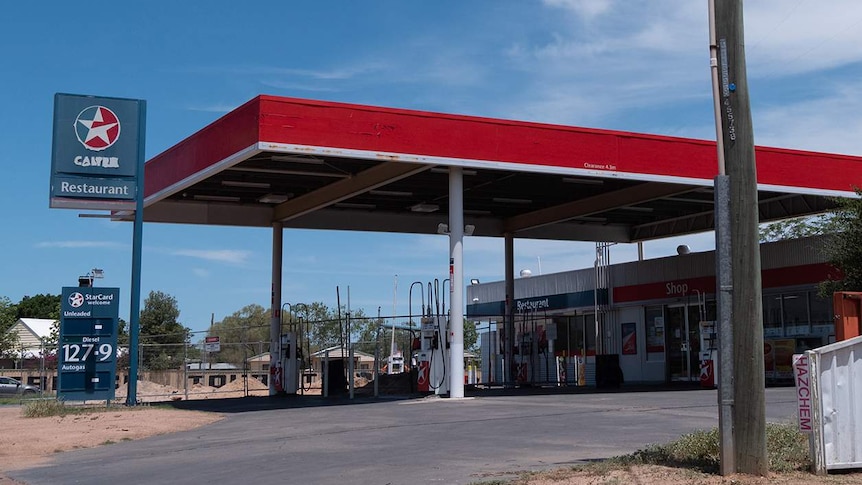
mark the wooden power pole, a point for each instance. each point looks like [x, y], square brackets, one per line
[749, 410]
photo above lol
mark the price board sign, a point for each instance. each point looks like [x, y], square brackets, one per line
[87, 354]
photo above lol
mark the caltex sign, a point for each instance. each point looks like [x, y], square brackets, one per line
[96, 152]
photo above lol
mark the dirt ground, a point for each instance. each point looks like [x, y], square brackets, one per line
[28, 442]
[152, 392]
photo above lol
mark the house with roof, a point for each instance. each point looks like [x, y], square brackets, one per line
[362, 362]
[32, 334]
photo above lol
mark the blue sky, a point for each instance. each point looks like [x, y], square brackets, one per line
[634, 65]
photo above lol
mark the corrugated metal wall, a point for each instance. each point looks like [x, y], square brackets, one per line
[792, 252]
[536, 286]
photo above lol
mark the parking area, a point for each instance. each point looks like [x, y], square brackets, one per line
[428, 440]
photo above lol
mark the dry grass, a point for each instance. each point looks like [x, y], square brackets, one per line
[692, 459]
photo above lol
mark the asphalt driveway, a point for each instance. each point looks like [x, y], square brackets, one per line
[398, 441]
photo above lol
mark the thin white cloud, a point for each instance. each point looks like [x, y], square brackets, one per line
[585, 8]
[201, 272]
[81, 244]
[634, 55]
[782, 38]
[298, 86]
[214, 108]
[342, 73]
[828, 123]
[231, 256]
[616, 60]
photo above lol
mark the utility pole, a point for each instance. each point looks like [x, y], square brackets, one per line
[724, 276]
[749, 405]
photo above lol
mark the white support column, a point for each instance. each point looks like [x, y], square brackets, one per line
[456, 282]
[275, 321]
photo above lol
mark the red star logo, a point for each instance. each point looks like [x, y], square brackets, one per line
[97, 128]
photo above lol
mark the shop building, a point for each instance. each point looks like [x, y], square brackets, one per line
[656, 317]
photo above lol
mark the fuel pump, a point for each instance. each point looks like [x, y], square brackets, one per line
[433, 350]
[291, 356]
[427, 336]
[708, 345]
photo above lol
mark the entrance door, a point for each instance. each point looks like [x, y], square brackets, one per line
[683, 342]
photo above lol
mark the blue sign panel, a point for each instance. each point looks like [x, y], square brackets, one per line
[578, 299]
[88, 188]
[87, 360]
[95, 137]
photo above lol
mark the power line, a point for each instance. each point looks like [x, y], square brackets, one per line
[776, 26]
[835, 35]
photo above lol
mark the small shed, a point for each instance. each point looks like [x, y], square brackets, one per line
[362, 362]
[259, 362]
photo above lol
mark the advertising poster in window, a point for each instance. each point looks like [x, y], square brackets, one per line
[655, 335]
[630, 338]
[778, 358]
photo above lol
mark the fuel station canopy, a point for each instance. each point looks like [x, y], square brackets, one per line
[325, 165]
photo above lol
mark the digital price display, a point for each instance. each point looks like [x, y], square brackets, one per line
[88, 343]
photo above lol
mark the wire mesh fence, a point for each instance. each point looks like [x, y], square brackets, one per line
[197, 365]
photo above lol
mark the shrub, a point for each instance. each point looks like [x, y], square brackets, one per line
[40, 408]
[787, 450]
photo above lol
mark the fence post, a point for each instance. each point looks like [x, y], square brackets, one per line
[186, 368]
[326, 374]
[42, 378]
[377, 362]
[351, 370]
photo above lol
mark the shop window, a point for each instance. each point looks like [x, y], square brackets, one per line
[772, 316]
[564, 345]
[655, 329]
[794, 309]
[590, 329]
[574, 333]
[821, 315]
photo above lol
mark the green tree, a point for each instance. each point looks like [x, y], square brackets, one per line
[8, 312]
[368, 332]
[844, 250]
[54, 336]
[241, 335]
[321, 323]
[471, 336]
[39, 306]
[163, 337]
[327, 327]
[798, 227]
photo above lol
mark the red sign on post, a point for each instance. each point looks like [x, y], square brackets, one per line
[212, 344]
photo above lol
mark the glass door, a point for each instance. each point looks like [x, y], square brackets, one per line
[683, 342]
